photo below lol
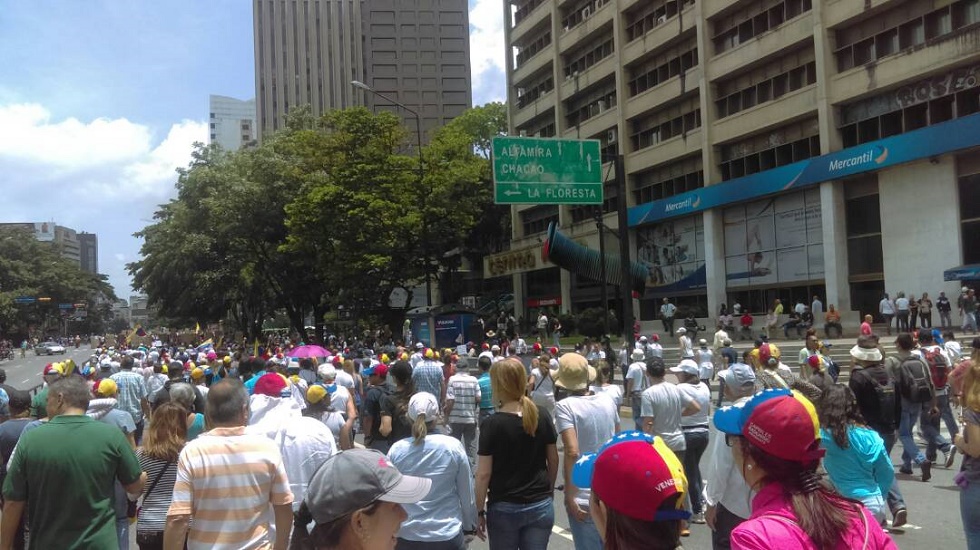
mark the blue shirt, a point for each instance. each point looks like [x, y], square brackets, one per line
[428, 377]
[132, 390]
[486, 400]
[861, 470]
[450, 506]
[250, 383]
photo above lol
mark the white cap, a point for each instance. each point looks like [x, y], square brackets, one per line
[681, 330]
[423, 403]
[327, 371]
[687, 366]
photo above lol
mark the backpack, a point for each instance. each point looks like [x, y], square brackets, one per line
[937, 366]
[886, 402]
[916, 383]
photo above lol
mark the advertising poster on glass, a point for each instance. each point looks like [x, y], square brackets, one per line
[673, 253]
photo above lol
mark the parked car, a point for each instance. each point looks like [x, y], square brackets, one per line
[49, 348]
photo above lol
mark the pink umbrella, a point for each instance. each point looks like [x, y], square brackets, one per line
[308, 351]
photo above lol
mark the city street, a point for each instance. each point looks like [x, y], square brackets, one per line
[25, 373]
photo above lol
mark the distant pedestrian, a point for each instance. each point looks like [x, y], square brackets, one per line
[667, 313]
[463, 411]
[944, 307]
[887, 310]
[133, 395]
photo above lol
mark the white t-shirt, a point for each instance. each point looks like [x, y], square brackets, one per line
[686, 346]
[902, 304]
[614, 391]
[345, 380]
[637, 372]
[339, 399]
[701, 394]
[665, 403]
[542, 387]
[595, 419]
[886, 307]
[706, 367]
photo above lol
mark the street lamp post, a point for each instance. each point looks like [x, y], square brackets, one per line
[418, 136]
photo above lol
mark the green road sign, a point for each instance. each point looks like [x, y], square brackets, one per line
[547, 171]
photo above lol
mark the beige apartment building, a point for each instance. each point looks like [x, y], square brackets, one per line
[773, 148]
[416, 52]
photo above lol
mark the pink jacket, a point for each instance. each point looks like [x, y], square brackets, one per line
[773, 525]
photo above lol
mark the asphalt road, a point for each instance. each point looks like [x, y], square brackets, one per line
[25, 373]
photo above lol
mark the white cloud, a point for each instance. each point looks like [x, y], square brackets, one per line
[487, 50]
[104, 158]
[104, 176]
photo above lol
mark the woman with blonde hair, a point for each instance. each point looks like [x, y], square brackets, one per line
[444, 518]
[517, 465]
[968, 442]
[164, 438]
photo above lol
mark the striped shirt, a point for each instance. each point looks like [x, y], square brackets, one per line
[226, 481]
[464, 390]
[153, 510]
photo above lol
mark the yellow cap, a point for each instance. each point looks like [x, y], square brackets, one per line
[316, 393]
[106, 388]
[197, 373]
[227, 359]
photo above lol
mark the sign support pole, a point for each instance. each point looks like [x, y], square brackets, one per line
[624, 253]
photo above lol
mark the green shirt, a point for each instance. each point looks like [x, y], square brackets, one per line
[65, 471]
[39, 404]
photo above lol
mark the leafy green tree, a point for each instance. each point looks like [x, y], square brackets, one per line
[29, 267]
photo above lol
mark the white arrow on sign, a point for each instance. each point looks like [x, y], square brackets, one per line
[588, 159]
[510, 193]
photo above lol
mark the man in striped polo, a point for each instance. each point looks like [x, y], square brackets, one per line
[231, 481]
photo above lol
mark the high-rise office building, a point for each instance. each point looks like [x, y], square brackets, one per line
[231, 122]
[67, 240]
[415, 51]
[772, 148]
[88, 244]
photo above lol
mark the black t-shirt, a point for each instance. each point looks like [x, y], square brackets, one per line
[401, 426]
[520, 467]
[372, 408]
[862, 383]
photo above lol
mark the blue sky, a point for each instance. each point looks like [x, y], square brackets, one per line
[100, 100]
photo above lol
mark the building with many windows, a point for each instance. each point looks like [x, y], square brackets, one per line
[231, 122]
[88, 244]
[772, 148]
[307, 52]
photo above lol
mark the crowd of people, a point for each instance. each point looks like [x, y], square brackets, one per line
[413, 447]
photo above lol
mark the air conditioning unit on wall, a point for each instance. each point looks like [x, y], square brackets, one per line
[586, 12]
[612, 136]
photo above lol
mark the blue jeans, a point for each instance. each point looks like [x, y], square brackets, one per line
[910, 451]
[584, 533]
[513, 526]
[970, 513]
[895, 499]
[930, 427]
[697, 443]
[635, 402]
[122, 531]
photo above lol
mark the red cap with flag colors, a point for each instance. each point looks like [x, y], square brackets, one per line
[781, 422]
[635, 474]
